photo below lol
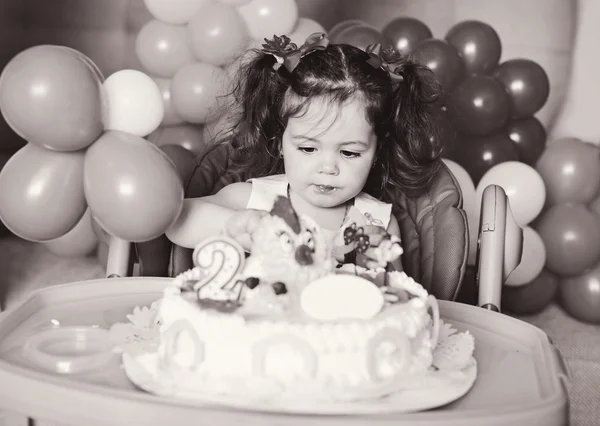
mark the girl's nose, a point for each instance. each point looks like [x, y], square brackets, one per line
[329, 166]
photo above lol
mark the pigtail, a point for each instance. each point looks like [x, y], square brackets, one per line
[413, 133]
[257, 130]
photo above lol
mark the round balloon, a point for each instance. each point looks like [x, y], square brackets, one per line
[532, 297]
[41, 193]
[527, 84]
[163, 49]
[267, 17]
[405, 33]
[570, 233]
[580, 295]
[479, 105]
[478, 44]
[218, 34]
[196, 89]
[530, 137]
[571, 170]
[132, 188]
[187, 136]
[523, 185]
[176, 12]
[443, 60]
[532, 261]
[78, 242]
[52, 98]
[170, 117]
[478, 155]
[134, 103]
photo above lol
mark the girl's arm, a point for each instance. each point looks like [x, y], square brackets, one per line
[205, 217]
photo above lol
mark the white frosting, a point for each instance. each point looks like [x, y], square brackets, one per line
[355, 298]
[308, 358]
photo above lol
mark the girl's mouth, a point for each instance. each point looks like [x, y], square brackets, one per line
[325, 189]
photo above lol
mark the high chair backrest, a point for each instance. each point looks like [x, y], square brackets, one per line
[433, 228]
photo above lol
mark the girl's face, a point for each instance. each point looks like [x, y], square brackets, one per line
[328, 152]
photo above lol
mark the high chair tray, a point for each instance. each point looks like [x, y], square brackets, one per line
[520, 379]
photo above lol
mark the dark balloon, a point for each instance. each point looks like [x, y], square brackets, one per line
[443, 60]
[527, 83]
[571, 234]
[530, 136]
[478, 44]
[478, 155]
[479, 105]
[532, 297]
[580, 296]
[406, 33]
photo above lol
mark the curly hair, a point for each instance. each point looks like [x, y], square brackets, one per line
[403, 115]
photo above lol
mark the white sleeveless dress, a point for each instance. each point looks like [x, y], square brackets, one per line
[265, 190]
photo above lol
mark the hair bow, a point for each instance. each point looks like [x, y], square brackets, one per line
[288, 54]
[377, 58]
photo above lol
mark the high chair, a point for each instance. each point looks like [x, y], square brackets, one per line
[433, 228]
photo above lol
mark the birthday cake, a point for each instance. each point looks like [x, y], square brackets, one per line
[287, 322]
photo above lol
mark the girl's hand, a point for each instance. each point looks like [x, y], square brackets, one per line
[242, 224]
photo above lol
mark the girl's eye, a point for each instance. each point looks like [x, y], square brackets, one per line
[307, 150]
[350, 154]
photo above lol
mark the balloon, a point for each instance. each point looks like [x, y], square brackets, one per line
[51, 98]
[131, 186]
[479, 105]
[187, 136]
[217, 130]
[361, 36]
[182, 159]
[571, 170]
[41, 193]
[479, 155]
[134, 103]
[195, 90]
[532, 297]
[523, 185]
[532, 261]
[405, 33]
[170, 117]
[175, 12]
[79, 241]
[217, 34]
[478, 44]
[467, 187]
[530, 136]
[341, 26]
[163, 49]
[443, 60]
[304, 28]
[527, 83]
[580, 296]
[91, 65]
[570, 233]
[264, 18]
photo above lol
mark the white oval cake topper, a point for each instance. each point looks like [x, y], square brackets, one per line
[337, 297]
